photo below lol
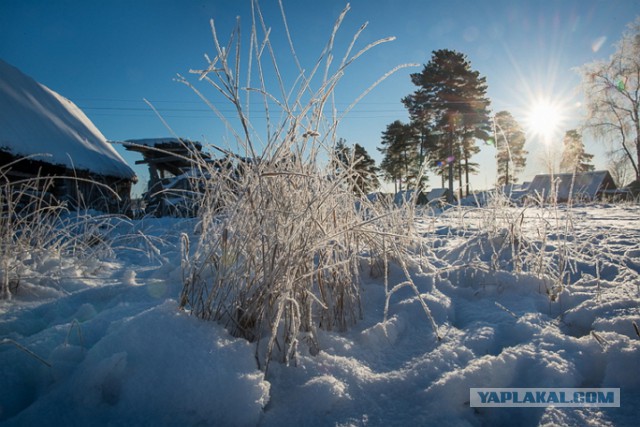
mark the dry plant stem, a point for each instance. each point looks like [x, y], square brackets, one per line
[603, 342]
[75, 323]
[283, 236]
[34, 227]
[547, 244]
[26, 351]
[502, 307]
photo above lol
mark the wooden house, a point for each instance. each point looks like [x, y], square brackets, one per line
[579, 187]
[440, 196]
[172, 173]
[43, 134]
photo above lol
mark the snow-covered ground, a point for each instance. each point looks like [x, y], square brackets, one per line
[103, 343]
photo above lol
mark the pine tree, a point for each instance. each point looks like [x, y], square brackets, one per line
[341, 155]
[358, 164]
[366, 171]
[510, 139]
[451, 101]
[574, 158]
[401, 160]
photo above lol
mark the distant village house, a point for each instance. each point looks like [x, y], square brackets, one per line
[579, 187]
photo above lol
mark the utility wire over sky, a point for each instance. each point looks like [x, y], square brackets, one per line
[108, 57]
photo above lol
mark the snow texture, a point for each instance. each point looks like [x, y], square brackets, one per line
[36, 120]
[121, 353]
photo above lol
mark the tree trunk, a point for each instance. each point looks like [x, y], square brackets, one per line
[466, 172]
[450, 197]
[636, 120]
[637, 169]
[450, 167]
[506, 174]
[629, 154]
[460, 186]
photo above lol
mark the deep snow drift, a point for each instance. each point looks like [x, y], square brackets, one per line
[115, 350]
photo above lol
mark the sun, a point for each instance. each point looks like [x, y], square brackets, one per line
[545, 118]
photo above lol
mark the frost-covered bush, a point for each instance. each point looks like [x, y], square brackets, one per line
[283, 238]
[40, 237]
[538, 238]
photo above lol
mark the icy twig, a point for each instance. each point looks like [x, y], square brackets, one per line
[75, 323]
[603, 343]
[502, 307]
[25, 350]
[282, 234]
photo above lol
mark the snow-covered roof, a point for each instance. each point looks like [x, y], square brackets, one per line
[154, 142]
[404, 196]
[514, 187]
[582, 185]
[36, 120]
[437, 193]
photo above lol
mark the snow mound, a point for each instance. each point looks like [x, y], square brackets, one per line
[156, 367]
[123, 354]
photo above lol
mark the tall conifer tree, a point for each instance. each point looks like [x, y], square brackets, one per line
[574, 157]
[451, 101]
[366, 171]
[401, 161]
[361, 167]
[511, 156]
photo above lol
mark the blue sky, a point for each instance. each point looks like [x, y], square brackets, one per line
[107, 56]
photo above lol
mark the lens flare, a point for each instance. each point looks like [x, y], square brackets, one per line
[597, 43]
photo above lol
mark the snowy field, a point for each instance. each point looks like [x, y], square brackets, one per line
[551, 302]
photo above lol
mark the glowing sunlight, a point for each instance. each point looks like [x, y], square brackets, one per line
[544, 118]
